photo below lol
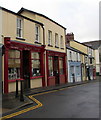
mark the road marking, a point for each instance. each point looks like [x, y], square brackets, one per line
[39, 104]
[45, 92]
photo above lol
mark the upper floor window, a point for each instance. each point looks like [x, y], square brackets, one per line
[86, 59]
[19, 27]
[37, 33]
[91, 60]
[70, 55]
[61, 42]
[49, 37]
[56, 40]
[77, 56]
[90, 51]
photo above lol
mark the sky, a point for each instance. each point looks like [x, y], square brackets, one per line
[78, 16]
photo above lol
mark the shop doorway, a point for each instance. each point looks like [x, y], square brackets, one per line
[56, 69]
[26, 68]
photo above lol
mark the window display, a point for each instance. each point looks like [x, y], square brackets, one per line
[50, 62]
[13, 64]
[35, 58]
[61, 65]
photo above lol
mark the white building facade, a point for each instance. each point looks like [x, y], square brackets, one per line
[74, 65]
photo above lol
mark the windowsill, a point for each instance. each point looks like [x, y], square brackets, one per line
[15, 80]
[56, 47]
[70, 60]
[37, 42]
[20, 38]
[35, 77]
[50, 45]
[51, 76]
[62, 48]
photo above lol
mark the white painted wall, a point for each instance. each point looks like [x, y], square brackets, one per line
[97, 60]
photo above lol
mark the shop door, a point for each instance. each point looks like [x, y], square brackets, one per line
[56, 69]
[26, 69]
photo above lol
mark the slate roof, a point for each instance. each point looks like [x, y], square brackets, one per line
[24, 9]
[94, 44]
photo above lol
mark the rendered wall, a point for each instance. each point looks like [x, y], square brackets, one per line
[49, 25]
[97, 60]
[9, 28]
[36, 83]
[78, 46]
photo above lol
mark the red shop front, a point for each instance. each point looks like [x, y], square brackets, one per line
[21, 61]
[56, 68]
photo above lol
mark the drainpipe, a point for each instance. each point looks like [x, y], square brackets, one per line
[43, 35]
[0, 69]
[2, 49]
[43, 58]
[0, 76]
[1, 80]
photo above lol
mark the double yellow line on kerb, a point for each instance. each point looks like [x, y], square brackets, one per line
[39, 104]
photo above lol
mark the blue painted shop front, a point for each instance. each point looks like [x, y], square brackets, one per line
[74, 71]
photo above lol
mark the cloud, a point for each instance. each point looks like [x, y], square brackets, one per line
[78, 16]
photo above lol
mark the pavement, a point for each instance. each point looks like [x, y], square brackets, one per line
[10, 102]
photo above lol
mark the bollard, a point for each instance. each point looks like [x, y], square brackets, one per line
[16, 95]
[21, 91]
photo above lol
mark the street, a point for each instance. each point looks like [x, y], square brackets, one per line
[80, 101]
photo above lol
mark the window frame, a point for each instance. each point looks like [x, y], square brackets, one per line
[62, 59]
[56, 40]
[77, 58]
[49, 37]
[61, 42]
[70, 55]
[51, 58]
[20, 77]
[19, 27]
[37, 33]
[39, 76]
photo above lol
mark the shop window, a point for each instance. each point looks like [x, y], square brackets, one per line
[61, 65]
[49, 37]
[50, 65]
[37, 33]
[19, 27]
[35, 60]
[78, 70]
[14, 64]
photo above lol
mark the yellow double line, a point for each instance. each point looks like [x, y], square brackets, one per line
[39, 104]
